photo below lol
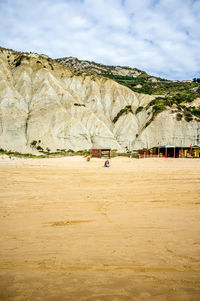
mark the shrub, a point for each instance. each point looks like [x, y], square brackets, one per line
[149, 122]
[39, 148]
[125, 110]
[79, 105]
[196, 80]
[159, 107]
[187, 112]
[82, 152]
[139, 109]
[51, 66]
[33, 143]
[179, 116]
[188, 118]
[195, 111]
[17, 63]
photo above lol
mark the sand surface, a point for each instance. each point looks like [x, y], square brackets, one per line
[74, 230]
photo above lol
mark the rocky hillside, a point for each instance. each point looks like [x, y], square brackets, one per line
[46, 105]
[92, 67]
[137, 80]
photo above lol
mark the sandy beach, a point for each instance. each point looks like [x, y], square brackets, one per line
[74, 230]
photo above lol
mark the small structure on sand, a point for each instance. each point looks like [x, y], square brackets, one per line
[100, 152]
[171, 151]
[196, 151]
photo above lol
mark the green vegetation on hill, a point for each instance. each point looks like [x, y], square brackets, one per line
[45, 154]
[172, 93]
[182, 91]
[124, 111]
[160, 104]
[19, 155]
[64, 153]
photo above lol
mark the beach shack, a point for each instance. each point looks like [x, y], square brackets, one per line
[170, 151]
[148, 153]
[100, 152]
[144, 153]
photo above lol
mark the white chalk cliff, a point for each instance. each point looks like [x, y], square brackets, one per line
[41, 99]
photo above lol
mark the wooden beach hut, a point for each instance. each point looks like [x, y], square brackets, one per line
[144, 153]
[100, 152]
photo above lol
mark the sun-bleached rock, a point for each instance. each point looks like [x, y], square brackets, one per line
[42, 100]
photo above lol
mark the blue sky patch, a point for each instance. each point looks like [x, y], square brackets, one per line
[157, 36]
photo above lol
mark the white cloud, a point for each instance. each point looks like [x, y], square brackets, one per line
[160, 37]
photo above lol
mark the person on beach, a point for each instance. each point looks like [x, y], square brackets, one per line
[107, 163]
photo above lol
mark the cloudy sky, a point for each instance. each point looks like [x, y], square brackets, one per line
[161, 37]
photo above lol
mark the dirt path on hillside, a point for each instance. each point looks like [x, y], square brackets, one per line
[74, 230]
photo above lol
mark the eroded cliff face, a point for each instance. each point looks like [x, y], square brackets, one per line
[41, 99]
